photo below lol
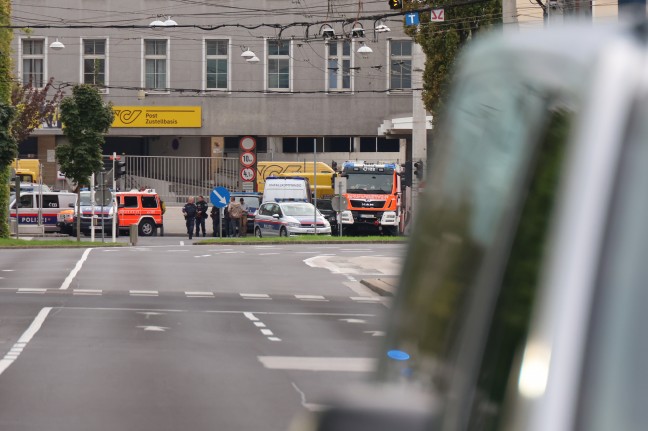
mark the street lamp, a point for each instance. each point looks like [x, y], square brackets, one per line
[364, 50]
[56, 45]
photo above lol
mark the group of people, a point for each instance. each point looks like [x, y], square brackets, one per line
[234, 217]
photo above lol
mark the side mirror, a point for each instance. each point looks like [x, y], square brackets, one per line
[276, 216]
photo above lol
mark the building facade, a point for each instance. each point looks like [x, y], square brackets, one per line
[306, 79]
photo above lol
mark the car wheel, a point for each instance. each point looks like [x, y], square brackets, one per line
[283, 232]
[257, 232]
[146, 228]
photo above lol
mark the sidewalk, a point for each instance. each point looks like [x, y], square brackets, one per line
[384, 286]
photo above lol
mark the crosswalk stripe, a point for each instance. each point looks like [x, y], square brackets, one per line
[143, 292]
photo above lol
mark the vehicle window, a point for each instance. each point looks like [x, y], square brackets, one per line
[264, 210]
[149, 202]
[510, 321]
[488, 141]
[130, 202]
[324, 204]
[298, 209]
[49, 201]
[26, 201]
[615, 378]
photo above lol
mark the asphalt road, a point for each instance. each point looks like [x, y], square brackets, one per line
[184, 337]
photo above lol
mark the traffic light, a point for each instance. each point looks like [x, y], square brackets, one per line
[418, 170]
[407, 174]
[120, 168]
[395, 4]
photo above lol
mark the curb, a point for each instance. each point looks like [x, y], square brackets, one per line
[382, 286]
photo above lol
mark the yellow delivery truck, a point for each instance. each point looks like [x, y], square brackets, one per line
[309, 170]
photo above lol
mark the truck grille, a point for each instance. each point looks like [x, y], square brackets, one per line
[359, 203]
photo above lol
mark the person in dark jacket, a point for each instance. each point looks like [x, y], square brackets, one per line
[201, 215]
[215, 216]
[226, 221]
[189, 211]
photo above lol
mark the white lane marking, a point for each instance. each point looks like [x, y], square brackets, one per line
[24, 339]
[143, 292]
[375, 333]
[274, 339]
[266, 332]
[311, 298]
[75, 270]
[31, 290]
[251, 316]
[355, 249]
[310, 406]
[233, 252]
[177, 251]
[304, 363]
[353, 320]
[87, 291]
[182, 243]
[306, 252]
[8, 270]
[259, 324]
[204, 255]
[154, 328]
[173, 310]
[366, 298]
[267, 254]
[255, 296]
[149, 313]
[199, 294]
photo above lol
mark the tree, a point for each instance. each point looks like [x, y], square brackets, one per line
[32, 108]
[8, 147]
[86, 118]
[441, 42]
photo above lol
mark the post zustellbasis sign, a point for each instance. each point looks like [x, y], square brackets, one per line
[157, 116]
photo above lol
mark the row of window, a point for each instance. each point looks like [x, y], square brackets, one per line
[329, 144]
[216, 76]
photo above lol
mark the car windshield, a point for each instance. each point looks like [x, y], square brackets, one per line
[298, 209]
[250, 201]
[370, 183]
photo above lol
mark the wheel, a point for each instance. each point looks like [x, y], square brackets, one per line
[146, 228]
[283, 232]
[257, 232]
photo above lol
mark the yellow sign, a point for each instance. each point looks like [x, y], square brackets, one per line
[157, 116]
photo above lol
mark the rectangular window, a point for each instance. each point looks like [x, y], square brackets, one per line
[94, 61]
[149, 202]
[130, 202]
[33, 62]
[279, 65]
[155, 59]
[338, 144]
[400, 64]
[339, 65]
[216, 60]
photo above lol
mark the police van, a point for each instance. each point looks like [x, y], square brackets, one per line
[29, 210]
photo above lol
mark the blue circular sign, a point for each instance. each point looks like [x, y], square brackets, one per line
[398, 355]
[219, 197]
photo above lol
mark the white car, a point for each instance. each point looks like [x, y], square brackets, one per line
[289, 218]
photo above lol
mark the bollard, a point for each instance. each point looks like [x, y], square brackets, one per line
[134, 229]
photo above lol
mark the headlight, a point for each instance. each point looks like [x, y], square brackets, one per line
[296, 225]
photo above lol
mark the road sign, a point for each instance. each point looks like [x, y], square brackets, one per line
[412, 18]
[247, 143]
[103, 196]
[248, 159]
[339, 203]
[248, 174]
[437, 15]
[219, 197]
[340, 184]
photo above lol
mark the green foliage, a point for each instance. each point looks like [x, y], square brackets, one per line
[441, 42]
[86, 118]
[5, 88]
[8, 145]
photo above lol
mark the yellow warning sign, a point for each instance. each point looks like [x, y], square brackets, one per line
[157, 116]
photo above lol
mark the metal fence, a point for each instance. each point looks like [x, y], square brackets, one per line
[176, 178]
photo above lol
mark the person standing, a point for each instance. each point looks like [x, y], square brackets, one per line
[201, 215]
[234, 209]
[226, 221]
[215, 216]
[189, 211]
[244, 216]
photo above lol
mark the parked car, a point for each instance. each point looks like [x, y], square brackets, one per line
[143, 208]
[289, 218]
[522, 296]
[253, 202]
[99, 217]
[29, 207]
[325, 207]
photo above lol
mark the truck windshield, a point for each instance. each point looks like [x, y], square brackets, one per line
[370, 183]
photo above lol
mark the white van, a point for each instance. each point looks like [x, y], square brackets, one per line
[281, 189]
[53, 204]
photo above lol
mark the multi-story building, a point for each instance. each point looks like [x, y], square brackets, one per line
[305, 78]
